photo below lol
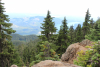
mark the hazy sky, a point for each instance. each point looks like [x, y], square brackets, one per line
[58, 8]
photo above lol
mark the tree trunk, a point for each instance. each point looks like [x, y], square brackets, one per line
[2, 62]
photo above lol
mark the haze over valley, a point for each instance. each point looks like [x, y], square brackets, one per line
[27, 25]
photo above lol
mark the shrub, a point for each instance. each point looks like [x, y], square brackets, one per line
[46, 53]
[82, 58]
[91, 58]
[34, 62]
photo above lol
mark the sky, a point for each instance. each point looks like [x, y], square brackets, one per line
[58, 8]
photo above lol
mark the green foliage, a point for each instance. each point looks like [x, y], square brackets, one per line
[26, 55]
[48, 27]
[63, 40]
[19, 39]
[46, 52]
[86, 26]
[26, 38]
[11, 56]
[16, 59]
[91, 58]
[8, 54]
[34, 62]
[71, 34]
[94, 32]
[79, 33]
[43, 52]
[82, 59]
[18, 42]
[91, 36]
[75, 40]
[91, 23]
[27, 52]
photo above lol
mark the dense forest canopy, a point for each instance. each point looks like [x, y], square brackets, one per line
[20, 39]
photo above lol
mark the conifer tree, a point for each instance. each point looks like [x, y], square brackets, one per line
[95, 32]
[47, 51]
[63, 38]
[48, 30]
[33, 53]
[75, 36]
[48, 27]
[71, 34]
[78, 33]
[91, 23]
[7, 52]
[97, 29]
[26, 54]
[86, 26]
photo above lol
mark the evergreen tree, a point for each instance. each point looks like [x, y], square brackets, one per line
[91, 23]
[71, 34]
[79, 33]
[95, 32]
[11, 56]
[15, 57]
[86, 26]
[48, 28]
[63, 38]
[75, 40]
[47, 51]
[7, 54]
[97, 29]
[33, 53]
[54, 38]
[26, 54]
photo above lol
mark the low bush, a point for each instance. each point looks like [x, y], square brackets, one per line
[90, 58]
[46, 53]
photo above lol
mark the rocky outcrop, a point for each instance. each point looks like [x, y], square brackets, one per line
[50, 63]
[71, 51]
[86, 42]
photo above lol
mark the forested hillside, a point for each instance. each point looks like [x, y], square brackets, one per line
[20, 39]
[31, 49]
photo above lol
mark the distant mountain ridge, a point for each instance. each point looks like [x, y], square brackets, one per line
[31, 25]
[26, 38]
[20, 39]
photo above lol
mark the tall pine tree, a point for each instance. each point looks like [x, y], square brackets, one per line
[78, 33]
[95, 32]
[71, 34]
[91, 23]
[97, 29]
[75, 40]
[48, 27]
[86, 26]
[48, 30]
[7, 51]
[63, 38]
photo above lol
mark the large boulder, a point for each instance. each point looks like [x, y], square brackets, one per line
[71, 51]
[86, 42]
[50, 63]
